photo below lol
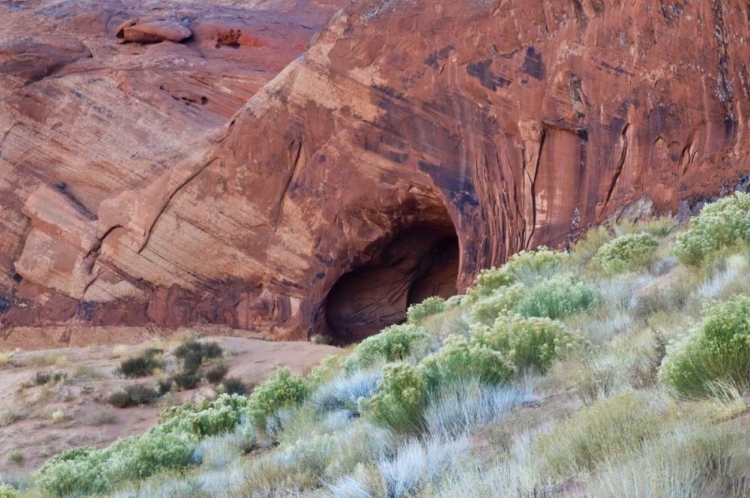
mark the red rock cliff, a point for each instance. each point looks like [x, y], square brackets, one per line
[412, 144]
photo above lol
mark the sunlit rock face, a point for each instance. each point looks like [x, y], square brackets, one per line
[411, 145]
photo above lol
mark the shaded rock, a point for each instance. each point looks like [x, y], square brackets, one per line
[120, 30]
[156, 31]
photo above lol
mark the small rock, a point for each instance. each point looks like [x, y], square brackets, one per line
[157, 31]
[120, 31]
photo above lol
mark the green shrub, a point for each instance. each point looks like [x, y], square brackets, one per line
[502, 301]
[599, 434]
[629, 252]
[80, 471]
[722, 224]
[430, 306]
[459, 360]
[135, 395]
[530, 343]
[187, 380]
[141, 366]
[282, 390]
[193, 352]
[169, 445]
[560, 296]
[8, 491]
[395, 343]
[525, 266]
[719, 350]
[217, 373]
[400, 398]
[586, 248]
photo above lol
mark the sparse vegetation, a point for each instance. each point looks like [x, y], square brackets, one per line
[17, 457]
[557, 374]
[133, 395]
[142, 365]
[634, 251]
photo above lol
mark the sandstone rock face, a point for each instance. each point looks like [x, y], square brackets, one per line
[413, 144]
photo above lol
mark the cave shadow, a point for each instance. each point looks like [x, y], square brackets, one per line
[420, 261]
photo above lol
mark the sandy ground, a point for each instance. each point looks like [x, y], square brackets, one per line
[27, 425]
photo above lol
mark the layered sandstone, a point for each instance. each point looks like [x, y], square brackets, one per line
[413, 144]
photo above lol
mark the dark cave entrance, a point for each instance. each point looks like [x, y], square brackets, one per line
[420, 261]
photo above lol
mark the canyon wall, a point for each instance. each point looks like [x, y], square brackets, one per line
[411, 145]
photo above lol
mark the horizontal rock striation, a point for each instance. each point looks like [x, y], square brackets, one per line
[406, 129]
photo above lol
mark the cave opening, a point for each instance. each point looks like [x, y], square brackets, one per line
[417, 262]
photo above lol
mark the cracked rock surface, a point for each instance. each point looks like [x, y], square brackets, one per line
[226, 180]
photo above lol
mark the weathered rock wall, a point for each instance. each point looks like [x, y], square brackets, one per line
[508, 124]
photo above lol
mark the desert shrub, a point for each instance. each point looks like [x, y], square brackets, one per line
[601, 433]
[134, 395]
[9, 415]
[282, 390]
[327, 370]
[80, 471]
[525, 266]
[234, 385]
[169, 445]
[8, 491]
[343, 393]
[560, 296]
[193, 352]
[395, 343]
[17, 457]
[461, 360]
[691, 460]
[719, 350]
[530, 343]
[658, 227]
[586, 248]
[430, 306]
[629, 252]
[454, 301]
[41, 378]
[502, 301]
[217, 373]
[724, 223]
[400, 398]
[142, 365]
[187, 380]
[461, 408]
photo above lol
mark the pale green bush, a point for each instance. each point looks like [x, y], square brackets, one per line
[560, 296]
[629, 252]
[430, 306]
[460, 360]
[400, 398]
[282, 390]
[530, 343]
[168, 445]
[8, 491]
[395, 343]
[719, 350]
[503, 301]
[724, 223]
[525, 266]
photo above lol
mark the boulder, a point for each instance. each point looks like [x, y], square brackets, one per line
[156, 31]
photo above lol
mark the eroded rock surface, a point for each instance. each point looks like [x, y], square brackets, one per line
[502, 125]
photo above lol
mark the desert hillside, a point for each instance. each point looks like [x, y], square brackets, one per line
[619, 368]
